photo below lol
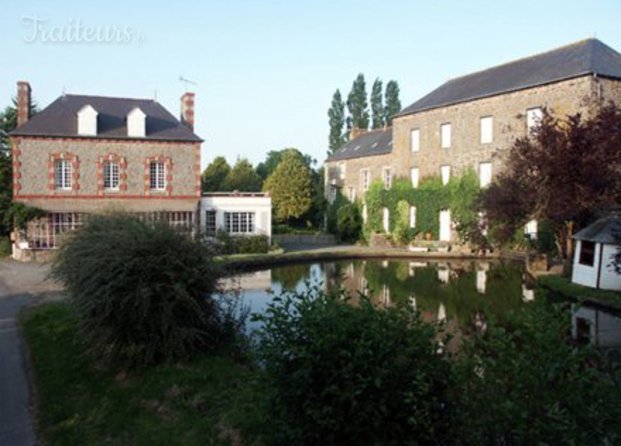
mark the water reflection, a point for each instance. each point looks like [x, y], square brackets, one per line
[463, 295]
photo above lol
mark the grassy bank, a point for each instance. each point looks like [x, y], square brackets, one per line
[170, 404]
[573, 291]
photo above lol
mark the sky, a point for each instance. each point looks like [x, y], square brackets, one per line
[264, 72]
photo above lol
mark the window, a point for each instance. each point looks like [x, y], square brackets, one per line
[445, 135]
[62, 174]
[210, 223]
[365, 179]
[587, 253]
[342, 171]
[412, 216]
[487, 130]
[414, 175]
[485, 174]
[332, 194]
[445, 172]
[415, 140]
[111, 175]
[239, 222]
[47, 232]
[158, 176]
[352, 194]
[387, 178]
[533, 118]
[365, 213]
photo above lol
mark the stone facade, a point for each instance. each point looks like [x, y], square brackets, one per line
[509, 121]
[33, 160]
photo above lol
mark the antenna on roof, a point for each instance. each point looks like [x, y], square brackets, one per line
[187, 82]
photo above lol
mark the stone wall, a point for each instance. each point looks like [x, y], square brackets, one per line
[33, 168]
[579, 95]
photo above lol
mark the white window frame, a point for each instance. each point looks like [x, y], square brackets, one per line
[412, 216]
[342, 171]
[157, 175]
[415, 176]
[63, 174]
[415, 140]
[387, 177]
[240, 223]
[487, 129]
[445, 135]
[445, 173]
[211, 226]
[365, 179]
[533, 118]
[111, 175]
[485, 174]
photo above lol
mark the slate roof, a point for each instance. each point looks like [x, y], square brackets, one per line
[602, 231]
[373, 142]
[585, 57]
[60, 119]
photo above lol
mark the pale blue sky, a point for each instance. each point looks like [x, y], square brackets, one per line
[266, 70]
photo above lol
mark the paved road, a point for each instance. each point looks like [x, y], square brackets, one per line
[16, 426]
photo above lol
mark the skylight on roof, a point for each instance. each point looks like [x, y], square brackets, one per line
[357, 147]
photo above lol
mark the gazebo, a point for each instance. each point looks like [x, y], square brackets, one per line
[595, 247]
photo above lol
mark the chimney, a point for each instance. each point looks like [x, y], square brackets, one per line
[23, 102]
[356, 132]
[187, 110]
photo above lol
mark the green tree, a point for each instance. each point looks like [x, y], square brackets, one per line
[393, 104]
[242, 177]
[214, 175]
[377, 106]
[357, 104]
[8, 122]
[336, 115]
[290, 187]
[274, 157]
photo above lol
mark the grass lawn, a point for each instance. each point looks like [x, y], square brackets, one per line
[571, 290]
[82, 404]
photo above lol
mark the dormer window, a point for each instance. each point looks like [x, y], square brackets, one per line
[136, 123]
[87, 121]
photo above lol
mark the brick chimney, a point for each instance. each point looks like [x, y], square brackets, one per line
[187, 110]
[356, 132]
[23, 102]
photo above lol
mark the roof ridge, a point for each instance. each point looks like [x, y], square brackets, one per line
[532, 56]
[123, 98]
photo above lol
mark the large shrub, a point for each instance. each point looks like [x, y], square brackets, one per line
[338, 374]
[142, 292]
[225, 243]
[526, 383]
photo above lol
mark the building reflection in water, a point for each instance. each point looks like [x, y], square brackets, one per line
[592, 324]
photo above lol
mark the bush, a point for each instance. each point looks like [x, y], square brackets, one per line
[340, 374]
[5, 246]
[527, 384]
[349, 222]
[226, 244]
[403, 233]
[142, 292]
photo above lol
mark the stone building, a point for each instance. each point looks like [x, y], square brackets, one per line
[85, 154]
[472, 120]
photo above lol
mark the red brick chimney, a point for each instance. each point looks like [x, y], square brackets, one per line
[187, 110]
[23, 102]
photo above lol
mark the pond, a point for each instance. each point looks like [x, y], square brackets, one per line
[462, 294]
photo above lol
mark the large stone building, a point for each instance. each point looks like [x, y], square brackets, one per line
[470, 121]
[85, 154]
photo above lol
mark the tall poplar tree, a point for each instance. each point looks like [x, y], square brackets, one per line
[336, 115]
[393, 104]
[377, 105]
[357, 104]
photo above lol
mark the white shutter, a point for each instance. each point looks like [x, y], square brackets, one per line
[414, 174]
[415, 140]
[485, 174]
[445, 171]
[533, 118]
[487, 132]
[445, 134]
